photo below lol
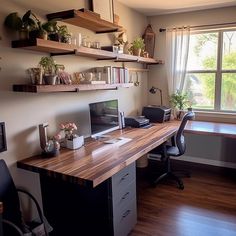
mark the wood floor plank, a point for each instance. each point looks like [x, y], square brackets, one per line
[207, 206]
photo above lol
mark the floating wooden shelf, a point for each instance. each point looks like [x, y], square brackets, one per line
[42, 45]
[86, 19]
[67, 88]
[55, 48]
[95, 53]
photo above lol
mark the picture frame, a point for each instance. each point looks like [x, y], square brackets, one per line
[105, 8]
[3, 143]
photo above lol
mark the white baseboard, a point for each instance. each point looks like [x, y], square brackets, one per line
[207, 161]
[200, 161]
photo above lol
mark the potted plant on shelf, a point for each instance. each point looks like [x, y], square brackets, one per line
[179, 101]
[64, 35]
[52, 29]
[49, 70]
[137, 46]
[22, 25]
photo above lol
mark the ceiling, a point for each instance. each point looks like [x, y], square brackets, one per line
[159, 7]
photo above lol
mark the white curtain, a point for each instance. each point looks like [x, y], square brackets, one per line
[177, 47]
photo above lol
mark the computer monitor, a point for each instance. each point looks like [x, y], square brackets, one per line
[103, 117]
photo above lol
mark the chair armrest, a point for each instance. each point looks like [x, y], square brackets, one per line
[34, 200]
[36, 204]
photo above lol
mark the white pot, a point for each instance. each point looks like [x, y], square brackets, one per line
[75, 143]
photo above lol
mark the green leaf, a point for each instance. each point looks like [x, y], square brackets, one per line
[26, 16]
[13, 21]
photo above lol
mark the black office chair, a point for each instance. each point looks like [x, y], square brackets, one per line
[12, 219]
[177, 148]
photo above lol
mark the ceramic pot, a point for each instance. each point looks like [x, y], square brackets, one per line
[50, 79]
[23, 34]
[75, 143]
[137, 51]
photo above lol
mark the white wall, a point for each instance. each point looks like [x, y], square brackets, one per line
[204, 149]
[23, 112]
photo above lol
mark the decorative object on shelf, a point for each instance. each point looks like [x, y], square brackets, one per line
[49, 70]
[36, 75]
[72, 140]
[149, 40]
[179, 101]
[104, 8]
[113, 48]
[122, 42]
[3, 142]
[62, 76]
[137, 46]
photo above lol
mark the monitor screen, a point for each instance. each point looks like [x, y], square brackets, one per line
[103, 117]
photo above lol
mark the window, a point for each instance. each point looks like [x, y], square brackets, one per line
[211, 70]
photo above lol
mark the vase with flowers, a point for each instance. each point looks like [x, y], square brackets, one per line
[72, 140]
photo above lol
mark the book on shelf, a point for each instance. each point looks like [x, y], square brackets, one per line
[94, 82]
[113, 75]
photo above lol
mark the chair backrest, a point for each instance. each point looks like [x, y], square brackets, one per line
[179, 138]
[9, 196]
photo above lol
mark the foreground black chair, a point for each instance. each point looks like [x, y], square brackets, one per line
[12, 219]
[177, 148]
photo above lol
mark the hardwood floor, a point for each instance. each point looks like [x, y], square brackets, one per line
[207, 206]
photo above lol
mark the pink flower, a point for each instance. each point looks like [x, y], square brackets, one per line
[62, 126]
[57, 137]
[68, 128]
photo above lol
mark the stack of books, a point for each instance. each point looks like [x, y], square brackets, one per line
[113, 75]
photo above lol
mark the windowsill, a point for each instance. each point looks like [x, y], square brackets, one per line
[225, 117]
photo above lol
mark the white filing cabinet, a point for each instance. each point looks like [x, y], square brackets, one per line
[124, 202]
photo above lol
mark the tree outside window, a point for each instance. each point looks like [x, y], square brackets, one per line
[211, 71]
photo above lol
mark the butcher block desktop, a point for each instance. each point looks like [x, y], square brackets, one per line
[92, 190]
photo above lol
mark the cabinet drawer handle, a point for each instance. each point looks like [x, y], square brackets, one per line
[125, 195]
[124, 177]
[126, 213]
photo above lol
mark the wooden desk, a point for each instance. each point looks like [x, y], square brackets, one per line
[81, 182]
[95, 183]
[211, 128]
[96, 161]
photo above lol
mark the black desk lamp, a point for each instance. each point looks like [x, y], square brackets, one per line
[153, 90]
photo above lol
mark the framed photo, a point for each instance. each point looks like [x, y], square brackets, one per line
[105, 8]
[3, 144]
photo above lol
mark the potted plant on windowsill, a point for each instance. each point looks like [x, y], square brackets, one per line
[179, 101]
